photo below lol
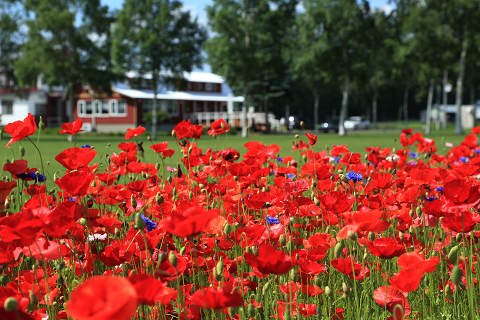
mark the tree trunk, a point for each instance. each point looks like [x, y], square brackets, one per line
[154, 106]
[70, 100]
[374, 107]
[443, 122]
[265, 108]
[428, 114]
[316, 107]
[243, 120]
[287, 116]
[344, 109]
[405, 105]
[459, 90]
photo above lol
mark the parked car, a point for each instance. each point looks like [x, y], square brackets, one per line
[356, 123]
[330, 125]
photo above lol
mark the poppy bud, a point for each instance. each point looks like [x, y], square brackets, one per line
[337, 250]
[400, 236]
[182, 250]
[10, 304]
[352, 235]
[297, 136]
[282, 239]
[292, 275]
[458, 237]
[172, 258]
[250, 310]
[33, 298]
[317, 281]
[365, 255]
[159, 198]
[133, 201]
[418, 211]
[218, 272]
[265, 288]
[82, 221]
[328, 291]
[139, 222]
[410, 213]
[316, 201]
[453, 255]
[371, 236]
[344, 288]
[456, 275]
[290, 245]
[22, 151]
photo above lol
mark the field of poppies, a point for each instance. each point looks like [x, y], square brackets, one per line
[327, 234]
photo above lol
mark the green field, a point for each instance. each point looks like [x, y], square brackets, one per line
[52, 144]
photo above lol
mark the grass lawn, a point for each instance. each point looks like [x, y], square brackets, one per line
[52, 144]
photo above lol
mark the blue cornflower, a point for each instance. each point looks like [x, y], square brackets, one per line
[291, 176]
[440, 189]
[272, 220]
[149, 224]
[336, 159]
[279, 159]
[430, 198]
[464, 159]
[72, 199]
[477, 151]
[86, 146]
[413, 155]
[354, 176]
[36, 176]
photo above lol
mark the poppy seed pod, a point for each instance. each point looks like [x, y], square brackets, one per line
[337, 250]
[139, 222]
[172, 258]
[10, 304]
[456, 275]
[453, 254]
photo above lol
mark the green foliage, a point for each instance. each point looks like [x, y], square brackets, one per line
[67, 43]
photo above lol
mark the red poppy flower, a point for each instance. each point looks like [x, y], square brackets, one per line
[269, 260]
[5, 189]
[192, 221]
[151, 291]
[103, 298]
[213, 298]
[385, 248]
[186, 130]
[16, 167]
[351, 268]
[72, 128]
[138, 131]
[76, 158]
[19, 130]
[75, 182]
[218, 127]
[412, 269]
[312, 139]
[162, 148]
[389, 297]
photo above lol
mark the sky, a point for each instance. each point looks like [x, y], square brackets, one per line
[197, 7]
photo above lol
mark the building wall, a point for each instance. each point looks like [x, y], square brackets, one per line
[32, 102]
[111, 123]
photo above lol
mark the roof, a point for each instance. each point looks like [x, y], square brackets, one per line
[177, 95]
[194, 76]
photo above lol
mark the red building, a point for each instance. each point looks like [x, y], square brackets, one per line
[201, 98]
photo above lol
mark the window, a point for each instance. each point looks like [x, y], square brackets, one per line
[210, 87]
[118, 107]
[84, 108]
[7, 107]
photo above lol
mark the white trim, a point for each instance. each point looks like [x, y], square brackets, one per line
[97, 108]
[178, 95]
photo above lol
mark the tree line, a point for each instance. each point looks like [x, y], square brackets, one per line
[317, 58]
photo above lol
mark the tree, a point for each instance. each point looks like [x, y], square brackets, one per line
[156, 36]
[10, 40]
[67, 44]
[337, 43]
[249, 47]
